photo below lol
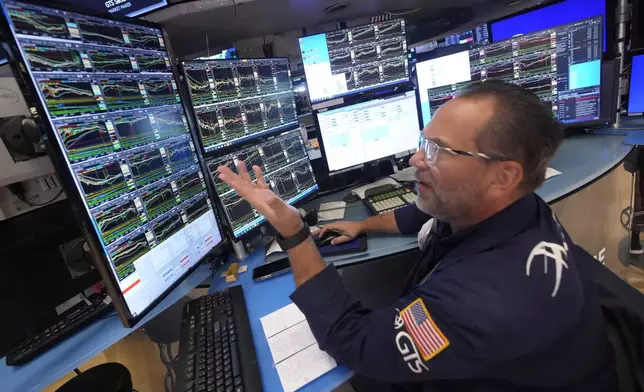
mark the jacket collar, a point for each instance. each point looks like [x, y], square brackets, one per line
[491, 232]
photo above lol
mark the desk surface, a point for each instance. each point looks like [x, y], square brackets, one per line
[581, 160]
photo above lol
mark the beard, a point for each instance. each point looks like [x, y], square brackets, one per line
[449, 205]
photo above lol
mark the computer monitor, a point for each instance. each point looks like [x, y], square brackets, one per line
[474, 37]
[238, 100]
[636, 91]
[286, 168]
[354, 59]
[357, 134]
[117, 133]
[551, 15]
[561, 65]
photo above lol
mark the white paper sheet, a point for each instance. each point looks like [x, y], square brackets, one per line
[296, 354]
[550, 172]
[332, 211]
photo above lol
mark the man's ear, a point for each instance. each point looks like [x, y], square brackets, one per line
[508, 176]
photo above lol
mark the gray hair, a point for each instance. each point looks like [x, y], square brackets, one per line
[522, 129]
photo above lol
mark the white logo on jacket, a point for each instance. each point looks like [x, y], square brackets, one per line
[550, 250]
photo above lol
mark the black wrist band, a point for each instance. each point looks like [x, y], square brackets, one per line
[292, 242]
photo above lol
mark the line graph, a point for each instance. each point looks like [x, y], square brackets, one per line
[209, 128]
[390, 30]
[251, 157]
[144, 39]
[102, 182]
[69, 97]
[541, 87]
[53, 59]
[271, 112]
[196, 209]
[122, 94]
[134, 129]
[233, 124]
[85, 139]
[500, 70]
[224, 83]
[293, 147]
[199, 86]
[274, 157]
[498, 51]
[265, 75]
[303, 175]
[124, 255]
[337, 39]
[158, 201]
[351, 81]
[105, 61]
[394, 70]
[392, 49]
[367, 76]
[238, 209]
[282, 183]
[152, 63]
[254, 120]
[366, 54]
[160, 91]
[220, 186]
[147, 167]
[363, 33]
[529, 45]
[190, 185]
[288, 109]
[116, 221]
[180, 156]
[166, 227]
[100, 33]
[34, 23]
[535, 65]
[247, 81]
[282, 77]
[341, 59]
[170, 124]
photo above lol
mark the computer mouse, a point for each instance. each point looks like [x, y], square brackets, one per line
[327, 237]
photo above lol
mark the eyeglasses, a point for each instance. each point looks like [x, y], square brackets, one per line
[432, 149]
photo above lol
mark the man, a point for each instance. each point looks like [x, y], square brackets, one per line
[497, 301]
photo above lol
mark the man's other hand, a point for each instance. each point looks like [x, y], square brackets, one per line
[284, 218]
[349, 231]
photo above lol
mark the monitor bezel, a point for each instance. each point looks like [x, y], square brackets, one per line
[227, 149]
[352, 93]
[359, 166]
[38, 111]
[638, 53]
[566, 125]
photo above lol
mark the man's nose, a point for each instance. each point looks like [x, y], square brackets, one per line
[418, 160]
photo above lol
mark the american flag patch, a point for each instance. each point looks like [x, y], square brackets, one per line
[428, 338]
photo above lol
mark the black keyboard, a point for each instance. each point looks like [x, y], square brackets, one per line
[72, 321]
[216, 350]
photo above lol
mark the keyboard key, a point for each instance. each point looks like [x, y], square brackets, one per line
[235, 359]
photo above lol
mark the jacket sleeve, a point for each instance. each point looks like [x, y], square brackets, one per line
[410, 219]
[424, 335]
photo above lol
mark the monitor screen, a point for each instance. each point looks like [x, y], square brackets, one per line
[115, 114]
[286, 168]
[562, 65]
[122, 8]
[557, 14]
[368, 131]
[239, 100]
[355, 59]
[475, 37]
[636, 91]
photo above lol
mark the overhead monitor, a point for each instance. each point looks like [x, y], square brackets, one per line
[118, 134]
[286, 168]
[636, 91]
[357, 134]
[354, 59]
[474, 37]
[551, 15]
[122, 8]
[238, 100]
[562, 65]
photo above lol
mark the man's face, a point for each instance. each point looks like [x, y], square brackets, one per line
[454, 185]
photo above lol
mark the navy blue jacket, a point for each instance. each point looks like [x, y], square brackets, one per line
[501, 306]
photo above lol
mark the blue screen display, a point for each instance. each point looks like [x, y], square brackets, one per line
[544, 18]
[636, 93]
